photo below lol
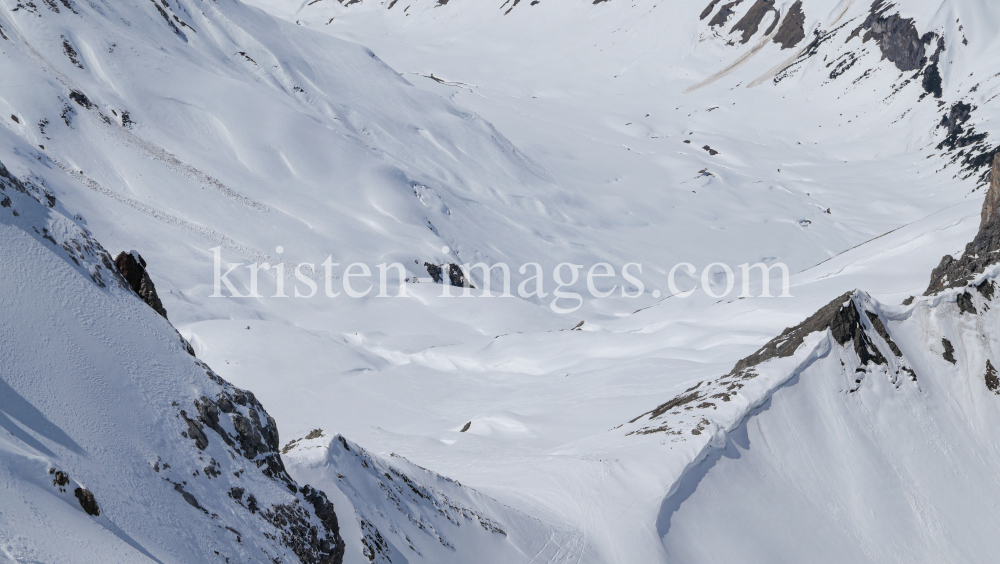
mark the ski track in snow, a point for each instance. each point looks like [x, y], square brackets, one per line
[201, 232]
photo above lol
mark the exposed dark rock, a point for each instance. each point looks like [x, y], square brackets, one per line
[880, 329]
[332, 545]
[965, 304]
[314, 434]
[953, 123]
[986, 288]
[983, 249]
[455, 274]
[785, 345]
[709, 9]
[949, 351]
[750, 22]
[466, 427]
[678, 401]
[132, 267]
[300, 533]
[40, 194]
[81, 99]
[195, 432]
[792, 30]
[164, 15]
[992, 381]
[724, 13]
[686, 397]
[71, 53]
[932, 82]
[968, 147]
[190, 499]
[846, 326]
[255, 437]
[87, 502]
[896, 36]
[843, 64]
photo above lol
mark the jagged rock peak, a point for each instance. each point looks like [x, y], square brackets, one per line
[983, 249]
[132, 267]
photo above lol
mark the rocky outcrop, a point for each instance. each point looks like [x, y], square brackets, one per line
[221, 454]
[132, 267]
[63, 483]
[455, 275]
[969, 148]
[725, 12]
[792, 30]
[87, 501]
[750, 22]
[254, 436]
[897, 37]
[854, 323]
[708, 9]
[982, 251]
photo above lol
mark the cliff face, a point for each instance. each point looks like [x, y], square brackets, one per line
[981, 252]
[132, 267]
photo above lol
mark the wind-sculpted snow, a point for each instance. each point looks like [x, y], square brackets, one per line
[847, 140]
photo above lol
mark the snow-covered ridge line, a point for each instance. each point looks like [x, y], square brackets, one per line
[884, 418]
[857, 330]
[408, 512]
[101, 397]
[706, 413]
[881, 347]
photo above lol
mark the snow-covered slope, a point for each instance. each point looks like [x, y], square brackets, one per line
[856, 461]
[880, 442]
[117, 444]
[407, 513]
[544, 132]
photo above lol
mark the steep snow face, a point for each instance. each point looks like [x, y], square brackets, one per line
[410, 514]
[876, 410]
[886, 458]
[116, 445]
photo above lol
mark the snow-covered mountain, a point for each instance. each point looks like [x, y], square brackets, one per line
[878, 433]
[117, 444]
[851, 141]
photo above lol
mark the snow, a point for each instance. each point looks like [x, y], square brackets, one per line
[554, 133]
[92, 383]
